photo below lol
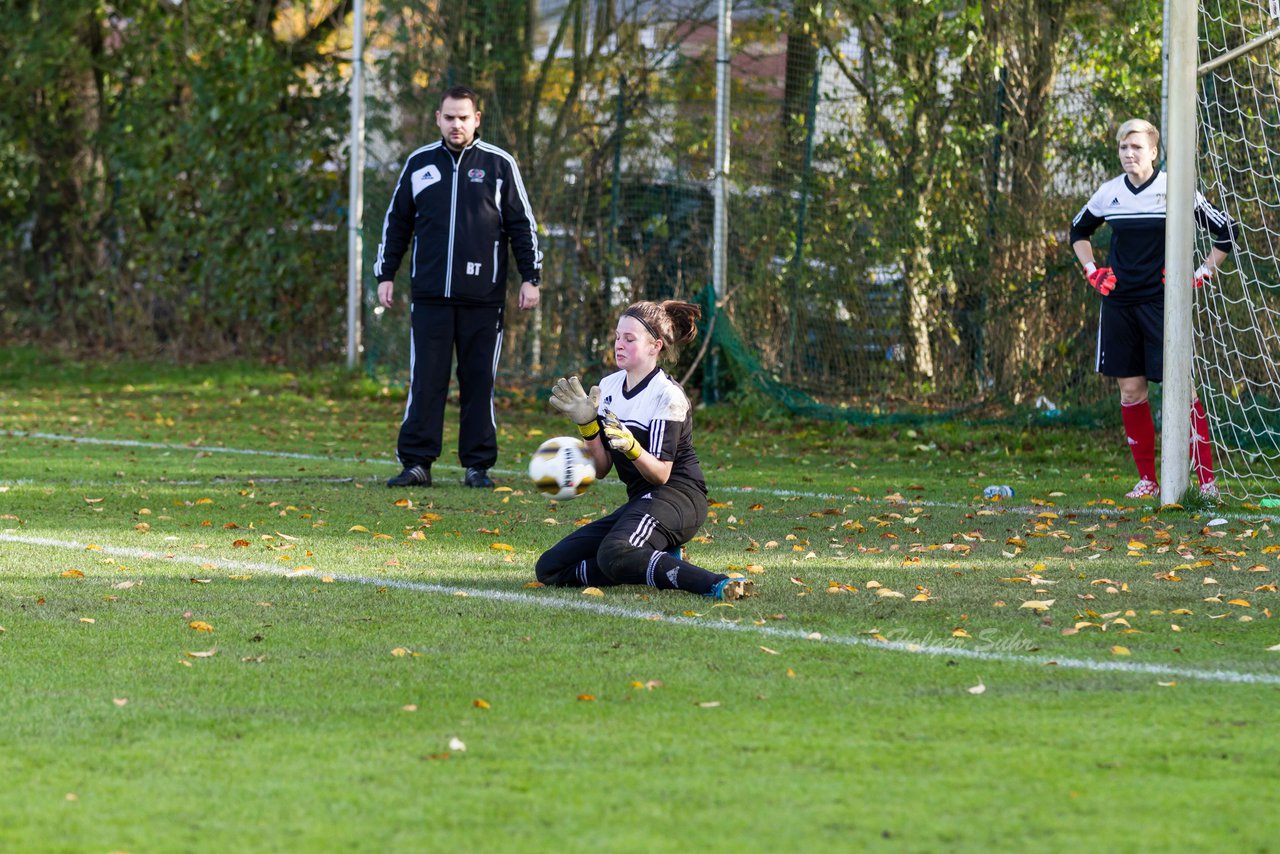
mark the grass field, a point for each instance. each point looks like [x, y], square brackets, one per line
[221, 631]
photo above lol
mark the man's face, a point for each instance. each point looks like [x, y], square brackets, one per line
[458, 121]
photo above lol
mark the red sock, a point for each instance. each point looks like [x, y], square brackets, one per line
[1201, 444]
[1141, 433]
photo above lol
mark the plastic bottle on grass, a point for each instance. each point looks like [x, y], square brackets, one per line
[998, 492]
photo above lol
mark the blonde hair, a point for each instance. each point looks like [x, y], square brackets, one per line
[1139, 126]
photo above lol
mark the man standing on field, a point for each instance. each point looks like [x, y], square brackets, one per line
[459, 203]
[1131, 319]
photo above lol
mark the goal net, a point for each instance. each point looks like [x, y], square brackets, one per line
[1236, 361]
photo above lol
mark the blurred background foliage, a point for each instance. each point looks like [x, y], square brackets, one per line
[173, 181]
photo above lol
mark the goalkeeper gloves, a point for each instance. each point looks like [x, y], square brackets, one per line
[1102, 279]
[568, 397]
[1204, 276]
[620, 438]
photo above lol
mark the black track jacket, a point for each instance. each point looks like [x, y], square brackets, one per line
[461, 212]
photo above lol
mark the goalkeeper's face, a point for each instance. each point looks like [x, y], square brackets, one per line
[634, 349]
[1137, 156]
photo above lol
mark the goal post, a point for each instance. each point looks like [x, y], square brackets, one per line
[1180, 144]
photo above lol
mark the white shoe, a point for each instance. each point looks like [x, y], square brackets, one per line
[1143, 489]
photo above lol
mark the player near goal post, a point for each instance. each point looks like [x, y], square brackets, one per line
[1131, 319]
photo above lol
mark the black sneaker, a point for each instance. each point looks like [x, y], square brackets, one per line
[478, 478]
[412, 476]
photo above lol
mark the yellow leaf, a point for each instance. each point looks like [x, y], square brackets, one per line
[770, 651]
[208, 653]
[1120, 650]
[200, 626]
[88, 620]
[592, 591]
[73, 573]
[326, 579]
[533, 585]
[791, 674]
[400, 652]
[1184, 612]
[404, 502]
[204, 501]
[502, 547]
[586, 698]
[360, 529]
[480, 704]
[1038, 605]
[920, 597]
[120, 701]
[1243, 603]
[959, 633]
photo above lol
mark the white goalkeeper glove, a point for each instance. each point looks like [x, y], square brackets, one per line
[568, 396]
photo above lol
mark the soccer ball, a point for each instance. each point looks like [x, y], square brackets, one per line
[560, 468]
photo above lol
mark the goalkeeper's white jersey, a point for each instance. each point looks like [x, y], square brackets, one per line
[658, 414]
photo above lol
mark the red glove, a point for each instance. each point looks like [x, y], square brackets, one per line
[1102, 279]
[1203, 276]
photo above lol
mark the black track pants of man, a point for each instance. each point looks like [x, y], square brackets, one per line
[476, 333]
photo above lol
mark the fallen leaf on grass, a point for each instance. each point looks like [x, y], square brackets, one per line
[770, 651]
[207, 653]
[240, 544]
[1167, 684]
[586, 698]
[534, 585]
[502, 547]
[359, 529]
[456, 744]
[120, 701]
[711, 704]
[592, 591]
[1120, 650]
[200, 626]
[977, 689]
[1038, 605]
[481, 704]
[72, 573]
[88, 620]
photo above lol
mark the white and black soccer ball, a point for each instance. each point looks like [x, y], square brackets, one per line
[561, 469]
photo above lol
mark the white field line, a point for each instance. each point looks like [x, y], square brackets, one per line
[581, 605]
[744, 490]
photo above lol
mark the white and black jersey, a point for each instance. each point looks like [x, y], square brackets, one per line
[1137, 218]
[658, 414]
[459, 212]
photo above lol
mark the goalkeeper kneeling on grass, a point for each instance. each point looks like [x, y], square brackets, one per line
[1131, 320]
[638, 420]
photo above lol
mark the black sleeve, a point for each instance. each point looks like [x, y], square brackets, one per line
[397, 229]
[1217, 223]
[519, 224]
[1084, 225]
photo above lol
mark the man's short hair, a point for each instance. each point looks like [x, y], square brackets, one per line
[461, 93]
[1139, 126]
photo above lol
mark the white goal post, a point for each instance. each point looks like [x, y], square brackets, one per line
[1180, 162]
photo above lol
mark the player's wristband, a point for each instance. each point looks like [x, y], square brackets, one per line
[589, 430]
[634, 451]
